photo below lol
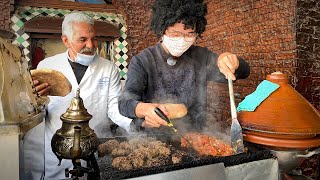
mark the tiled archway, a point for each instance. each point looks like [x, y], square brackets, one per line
[24, 14]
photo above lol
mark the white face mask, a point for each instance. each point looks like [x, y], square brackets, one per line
[84, 59]
[177, 46]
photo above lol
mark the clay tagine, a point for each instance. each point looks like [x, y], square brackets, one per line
[285, 119]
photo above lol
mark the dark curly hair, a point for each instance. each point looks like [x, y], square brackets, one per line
[166, 13]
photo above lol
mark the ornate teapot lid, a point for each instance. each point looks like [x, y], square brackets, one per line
[76, 112]
[284, 112]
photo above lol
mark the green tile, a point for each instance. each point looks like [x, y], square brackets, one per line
[122, 73]
[23, 15]
[48, 11]
[20, 40]
[121, 46]
[31, 16]
[19, 23]
[55, 12]
[121, 60]
[40, 11]
[31, 11]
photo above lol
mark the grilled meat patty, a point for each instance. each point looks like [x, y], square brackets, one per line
[107, 147]
[122, 163]
[140, 152]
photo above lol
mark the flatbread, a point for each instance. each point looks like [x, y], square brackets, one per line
[176, 110]
[59, 84]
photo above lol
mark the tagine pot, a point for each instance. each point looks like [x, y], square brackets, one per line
[285, 123]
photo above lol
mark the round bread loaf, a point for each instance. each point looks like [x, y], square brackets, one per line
[176, 110]
[59, 84]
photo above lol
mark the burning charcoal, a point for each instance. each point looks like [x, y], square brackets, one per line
[121, 163]
[107, 147]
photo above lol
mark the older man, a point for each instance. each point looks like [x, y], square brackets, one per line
[97, 78]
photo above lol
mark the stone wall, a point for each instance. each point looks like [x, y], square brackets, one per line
[6, 7]
[308, 72]
[308, 50]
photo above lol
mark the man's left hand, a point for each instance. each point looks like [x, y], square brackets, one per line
[42, 89]
[228, 63]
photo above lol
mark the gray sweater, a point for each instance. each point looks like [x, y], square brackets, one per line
[151, 79]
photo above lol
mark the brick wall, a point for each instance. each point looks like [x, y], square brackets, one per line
[137, 16]
[262, 32]
[308, 50]
[6, 6]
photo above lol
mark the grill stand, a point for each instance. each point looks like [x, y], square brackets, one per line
[78, 171]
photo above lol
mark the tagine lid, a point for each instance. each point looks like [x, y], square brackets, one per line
[285, 111]
[76, 112]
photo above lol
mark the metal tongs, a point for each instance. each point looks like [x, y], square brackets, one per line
[170, 124]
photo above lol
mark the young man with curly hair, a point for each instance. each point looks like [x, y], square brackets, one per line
[174, 70]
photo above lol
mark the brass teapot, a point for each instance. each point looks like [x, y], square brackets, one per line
[75, 139]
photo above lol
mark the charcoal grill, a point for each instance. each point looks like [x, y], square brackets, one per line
[190, 161]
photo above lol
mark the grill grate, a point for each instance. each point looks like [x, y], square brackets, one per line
[107, 172]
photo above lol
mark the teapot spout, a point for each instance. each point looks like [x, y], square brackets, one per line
[76, 149]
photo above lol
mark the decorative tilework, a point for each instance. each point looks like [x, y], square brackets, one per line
[118, 47]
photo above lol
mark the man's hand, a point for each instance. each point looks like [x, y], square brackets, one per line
[42, 89]
[151, 119]
[228, 63]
